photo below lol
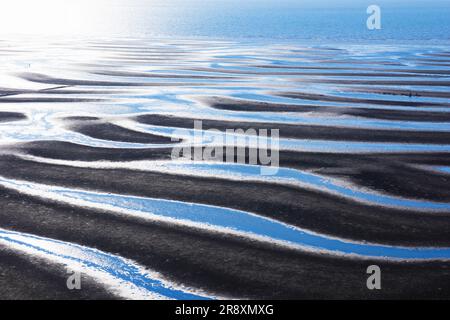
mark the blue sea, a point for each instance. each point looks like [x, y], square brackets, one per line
[278, 20]
[321, 20]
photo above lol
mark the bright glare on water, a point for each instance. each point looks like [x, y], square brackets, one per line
[269, 19]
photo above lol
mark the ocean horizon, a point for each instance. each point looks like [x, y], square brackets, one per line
[323, 21]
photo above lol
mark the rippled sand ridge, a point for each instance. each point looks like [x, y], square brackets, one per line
[87, 181]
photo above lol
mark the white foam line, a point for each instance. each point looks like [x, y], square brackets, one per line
[232, 172]
[234, 222]
[208, 138]
[437, 169]
[123, 277]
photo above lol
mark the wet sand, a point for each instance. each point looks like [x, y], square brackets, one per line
[301, 207]
[305, 131]
[262, 271]
[11, 116]
[364, 164]
[22, 278]
[253, 106]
